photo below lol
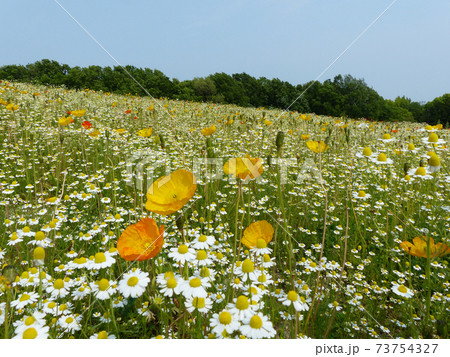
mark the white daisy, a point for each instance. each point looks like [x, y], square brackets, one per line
[24, 300]
[224, 323]
[103, 335]
[202, 304]
[182, 254]
[103, 289]
[33, 332]
[402, 290]
[195, 287]
[170, 286]
[133, 283]
[203, 242]
[258, 326]
[292, 298]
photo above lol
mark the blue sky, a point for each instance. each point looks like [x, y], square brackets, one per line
[405, 53]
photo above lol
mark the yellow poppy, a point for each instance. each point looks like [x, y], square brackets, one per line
[78, 113]
[94, 133]
[170, 193]
[141, 241]
[257, 230]
[209, 131]
[267, 122]
[317, 146]
[246, 168]
[145, 133]
[419, 248]
[305, 136]
[12, 107]
[120, 131]
[65, 121]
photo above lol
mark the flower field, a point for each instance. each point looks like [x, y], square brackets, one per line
[130, 217]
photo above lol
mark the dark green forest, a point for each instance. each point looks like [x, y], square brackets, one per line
[342, 96]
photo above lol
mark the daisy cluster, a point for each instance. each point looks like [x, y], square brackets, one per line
[74, 170]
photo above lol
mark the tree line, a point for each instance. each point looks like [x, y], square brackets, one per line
[342, 96]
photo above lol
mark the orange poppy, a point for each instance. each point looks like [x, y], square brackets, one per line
[170, 193]
[418, 248]
[141, 241]
[255, 231]
[86, 124]
[246, 168]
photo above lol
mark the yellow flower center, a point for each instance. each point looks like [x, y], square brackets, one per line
[169, 274]
[58, 284]
[382, 157]
[69, 320]
[183, 249]
[39, 235]
[172, 283]
[407, 177]
[411, 146]
[133, 281]
[30, 333]
[198, 302]
[26, 229]
[103, 284]
[262, 278]
[434, 161]
[39, 253]
[261, 243]
[102, 335]
[202, 255]
[421, 171]
[237, 281]
[202, 238]
[248, 266]
[312, 264]
[361, 194]
[256, 322]
[219, 256]
[29, 320]
[195, 282]
[292, 295]
[386, 136]
[100, 258]
[433, 138]
[225, 318]
[402, 289]
[242, 302]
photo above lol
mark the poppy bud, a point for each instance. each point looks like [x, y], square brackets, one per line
[406, 167]
[161, 141]
[180, 222]
[279, 141]
[269, 160]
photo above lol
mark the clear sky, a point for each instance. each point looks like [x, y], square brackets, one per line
[406, 52]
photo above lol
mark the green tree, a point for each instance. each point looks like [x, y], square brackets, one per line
[438, 111]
